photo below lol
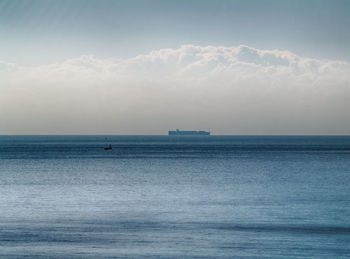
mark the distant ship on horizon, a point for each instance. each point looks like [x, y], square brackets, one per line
[178, 132]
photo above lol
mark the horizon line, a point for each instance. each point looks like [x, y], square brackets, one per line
[330, 135]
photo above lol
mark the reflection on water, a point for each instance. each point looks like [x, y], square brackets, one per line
[159, 196]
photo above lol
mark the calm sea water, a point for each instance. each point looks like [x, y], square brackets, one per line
[174, 197]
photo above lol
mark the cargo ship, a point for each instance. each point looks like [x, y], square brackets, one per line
[178, 132]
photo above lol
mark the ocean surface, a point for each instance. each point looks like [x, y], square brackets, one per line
[175, 197]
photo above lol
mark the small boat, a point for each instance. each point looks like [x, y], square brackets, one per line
[108, 148]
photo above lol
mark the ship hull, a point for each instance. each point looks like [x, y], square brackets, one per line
[188, 133]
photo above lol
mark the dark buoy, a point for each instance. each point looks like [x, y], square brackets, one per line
[108, 148]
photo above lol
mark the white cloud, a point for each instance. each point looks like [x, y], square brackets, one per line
[231, 90]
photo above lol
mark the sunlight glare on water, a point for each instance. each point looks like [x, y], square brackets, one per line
[217, 196]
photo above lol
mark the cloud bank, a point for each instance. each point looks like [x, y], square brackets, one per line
[228, 90]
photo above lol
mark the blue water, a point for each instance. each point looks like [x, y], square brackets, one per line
[174, 197]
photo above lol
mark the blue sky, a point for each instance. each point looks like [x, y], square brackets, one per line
[144, 67]
[42, 31]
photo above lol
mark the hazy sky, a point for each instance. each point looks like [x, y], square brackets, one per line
[143, 67]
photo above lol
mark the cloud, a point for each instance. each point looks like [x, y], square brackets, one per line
[230, 90]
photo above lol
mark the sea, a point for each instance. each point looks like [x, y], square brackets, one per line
[175, 197]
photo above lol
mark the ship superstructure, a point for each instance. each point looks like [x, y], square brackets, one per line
[178, 132]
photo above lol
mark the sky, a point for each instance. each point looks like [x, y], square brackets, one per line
[144, 67]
